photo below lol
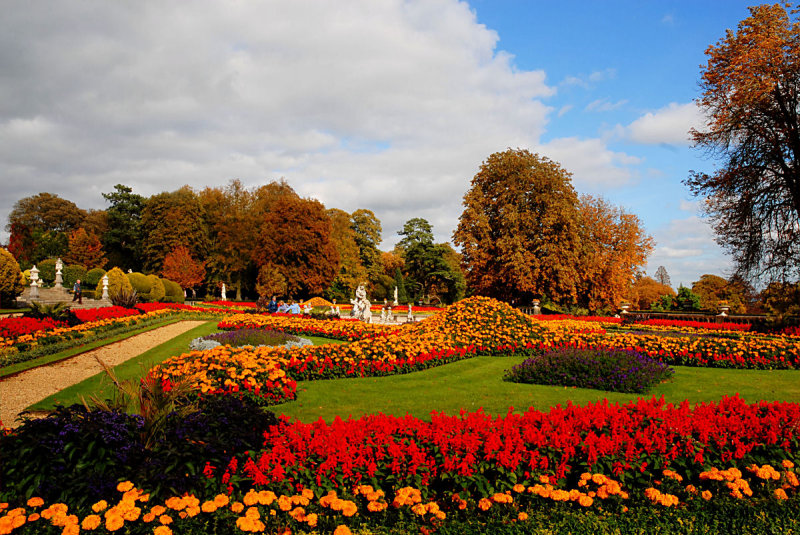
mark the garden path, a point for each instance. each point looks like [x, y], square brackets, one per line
[26, 388]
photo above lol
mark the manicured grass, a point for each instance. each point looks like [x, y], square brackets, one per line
[71, 352]
[99, 384]
[477, 383]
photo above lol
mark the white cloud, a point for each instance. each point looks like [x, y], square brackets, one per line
[604, 104]
[669, 125]
[686, 248]
[594, 166]
[388, 105]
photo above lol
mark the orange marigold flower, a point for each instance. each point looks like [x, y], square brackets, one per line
[706, 495]
[165, 519]
[102, 505]
[585, 501]
[221, 500]
[519, 488]
[342, 530]
[349, 508]
[786, 463]
[125, 486]
[312, 519]
[71, 529]
[522, 517]
[208, 506]
[91, 522]
[114, 522]
[781, 494]
[33, 517]
[484, 504]
[419, 509]
[162, 530]
[35, 502]
[237, 507]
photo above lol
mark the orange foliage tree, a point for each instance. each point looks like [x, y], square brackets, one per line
[751, 90]
[351, 270]
[180, 267]
[646, 291]
[518, 232]
[614, 247]
[295, 237]
[85, 249]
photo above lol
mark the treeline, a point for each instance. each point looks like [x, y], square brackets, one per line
[260, 241]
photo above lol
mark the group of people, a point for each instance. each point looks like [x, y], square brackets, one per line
[282, 308]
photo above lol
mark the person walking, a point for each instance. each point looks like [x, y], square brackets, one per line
[76, 292]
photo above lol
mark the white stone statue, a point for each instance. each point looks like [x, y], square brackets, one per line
[410, 313]
[384, 315]
[223, 292]
[395, 297]
[34, 283]
[59, 278]
[306, 309]
[361, 305]
[105, 286]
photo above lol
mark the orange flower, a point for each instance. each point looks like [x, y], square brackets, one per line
[484, 504]
[341, 529]
[162, 530]
[125, 486]
[35, 502]
[522, 517]
[706, 495]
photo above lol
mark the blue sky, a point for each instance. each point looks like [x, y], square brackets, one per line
[389, 105]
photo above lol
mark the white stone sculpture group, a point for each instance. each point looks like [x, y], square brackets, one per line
[361, 305]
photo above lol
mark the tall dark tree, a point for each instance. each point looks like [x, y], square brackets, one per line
[122, 240]
[171, 220]
[426, 264]
[751, 97]
[662, 277]
[367, 228]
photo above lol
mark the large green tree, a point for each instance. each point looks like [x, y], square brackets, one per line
[46, 212]
[122, 240]
[430, 268]
[351, 271]
[518, 232]
[171, 220]
[751, 98]
[367, 228]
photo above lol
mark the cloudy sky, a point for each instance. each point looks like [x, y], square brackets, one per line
[388, 105]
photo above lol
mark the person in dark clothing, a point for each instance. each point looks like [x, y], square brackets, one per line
[76, 292]
[272, 307]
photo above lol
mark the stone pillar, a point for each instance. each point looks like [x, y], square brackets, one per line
[625, 307]
[536, 308]
[34, 283]
[105, 287]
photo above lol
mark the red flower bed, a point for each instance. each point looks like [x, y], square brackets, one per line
[476, 451]
[15, 327]
[598, 319]
[724, 326]
[104, 313]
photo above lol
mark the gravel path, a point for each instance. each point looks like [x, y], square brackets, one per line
[24, 389]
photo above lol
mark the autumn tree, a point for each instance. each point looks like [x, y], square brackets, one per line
[645, 291]
[295, 237]
[751, 98]
[85, 249]
[351, 271]
[46, 212]
[714, 290]
[614, 247]
[518, 232]
[171, 220]
[662, 276]
[10, 278]
[232, 217]
[21, 244]
[122, 240]
[179, 266]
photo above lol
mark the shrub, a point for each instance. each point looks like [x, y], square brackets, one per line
[125, 298]
[47, 270]
[10, 277]
[141, 284]
[253, 337]
[72, 273]
[157, 290]
[613, 370]
[173, 292]
[118, 282]
[73, 455]
[94, 276]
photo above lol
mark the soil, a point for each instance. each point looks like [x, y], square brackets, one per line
[26, 388]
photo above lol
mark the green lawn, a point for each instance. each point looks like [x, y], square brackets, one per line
[477, 382]
[469, 384]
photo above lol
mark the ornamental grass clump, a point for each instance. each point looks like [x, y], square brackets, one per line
[613, 370]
